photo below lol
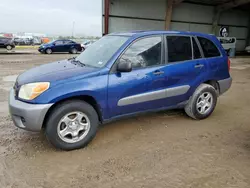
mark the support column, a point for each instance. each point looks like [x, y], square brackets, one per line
[248, 34]
[216, 18]
[106, 16]
[168, 14]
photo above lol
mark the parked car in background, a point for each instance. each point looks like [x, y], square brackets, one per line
[36, 41]
[60, 46]
[121, 75]
[7, 43]
[247, 49]
[18, 41]
[86, 44]
[23, 41]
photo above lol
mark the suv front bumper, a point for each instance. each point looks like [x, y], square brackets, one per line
[27, 116]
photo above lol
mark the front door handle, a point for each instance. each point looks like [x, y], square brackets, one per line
[199, 66]
[158, 72]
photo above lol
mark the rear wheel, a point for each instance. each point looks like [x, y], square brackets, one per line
[72, 125]
[48, 51]
[202, 104]
[73, 51]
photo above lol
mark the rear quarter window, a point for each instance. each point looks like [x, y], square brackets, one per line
[68, 42]
[208, 47]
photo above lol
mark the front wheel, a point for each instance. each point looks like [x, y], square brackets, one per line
[72, 125]
[202, 104]
[48, 51]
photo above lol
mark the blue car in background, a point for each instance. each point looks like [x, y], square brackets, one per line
[122, 74]
[60, 46]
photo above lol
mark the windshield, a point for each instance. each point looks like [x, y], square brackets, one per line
[98, 54]
[51, 42]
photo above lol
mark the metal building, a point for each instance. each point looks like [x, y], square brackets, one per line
[206, 16]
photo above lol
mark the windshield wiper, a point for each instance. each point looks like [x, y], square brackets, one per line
[77, 62]
[72, 58]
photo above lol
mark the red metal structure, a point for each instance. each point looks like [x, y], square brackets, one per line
[106, 17]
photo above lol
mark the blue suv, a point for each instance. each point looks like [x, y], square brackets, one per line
[121, 74]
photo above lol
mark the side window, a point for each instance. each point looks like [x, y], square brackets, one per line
[208, 47]
[144, 52]
[59, 42]
[179, 48]
[196, 50]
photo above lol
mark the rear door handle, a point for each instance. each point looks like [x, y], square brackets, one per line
[199, 66]
[158, 72]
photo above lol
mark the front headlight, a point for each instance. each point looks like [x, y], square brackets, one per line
[32, 90]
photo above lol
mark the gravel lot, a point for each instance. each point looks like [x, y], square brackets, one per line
[165, 149]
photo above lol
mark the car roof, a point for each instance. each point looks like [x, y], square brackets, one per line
[153, 32]
[63, 40]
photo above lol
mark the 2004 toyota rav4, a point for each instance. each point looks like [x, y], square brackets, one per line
[121, 74]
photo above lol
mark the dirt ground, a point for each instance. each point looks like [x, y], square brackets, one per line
[165, 149]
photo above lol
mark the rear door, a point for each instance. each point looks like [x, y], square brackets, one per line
[185, 68]
[216, 62]
[59, 46]
[68, 45]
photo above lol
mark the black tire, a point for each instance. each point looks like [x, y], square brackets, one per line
[73, 51]
[48, 51]
[191, 108]
[59, 112]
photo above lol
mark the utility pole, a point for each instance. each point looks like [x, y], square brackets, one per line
[73, 29]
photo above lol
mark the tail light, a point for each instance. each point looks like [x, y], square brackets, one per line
[228, 64]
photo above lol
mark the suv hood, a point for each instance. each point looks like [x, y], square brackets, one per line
[54, 71]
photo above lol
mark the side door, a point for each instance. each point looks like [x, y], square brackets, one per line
[68, 44]
[185, 68]
[143, 88]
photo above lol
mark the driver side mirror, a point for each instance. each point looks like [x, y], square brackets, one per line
[124, 66]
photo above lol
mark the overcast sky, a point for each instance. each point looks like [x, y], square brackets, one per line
[53, 17]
